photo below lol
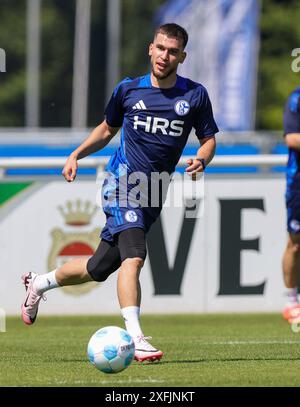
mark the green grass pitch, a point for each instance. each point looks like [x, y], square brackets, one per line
[200, 350]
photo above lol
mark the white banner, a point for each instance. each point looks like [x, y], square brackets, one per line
[227, 260]
[222, 54]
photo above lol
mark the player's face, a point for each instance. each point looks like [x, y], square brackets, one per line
[166, 54]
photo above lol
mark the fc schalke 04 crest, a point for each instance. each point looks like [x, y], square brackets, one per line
[131, 216]
[182, 107]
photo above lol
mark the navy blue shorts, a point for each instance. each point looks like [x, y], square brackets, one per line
[293, 210]
[120, 215]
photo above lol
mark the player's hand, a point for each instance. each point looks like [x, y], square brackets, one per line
[194, 168]
[70, 169]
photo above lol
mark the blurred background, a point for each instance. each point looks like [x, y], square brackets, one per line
[59, 63]
[119, 32]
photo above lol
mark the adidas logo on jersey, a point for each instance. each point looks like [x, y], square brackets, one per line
[139, 105]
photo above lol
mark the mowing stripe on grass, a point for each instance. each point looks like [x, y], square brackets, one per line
[115, 381]
[252, 342]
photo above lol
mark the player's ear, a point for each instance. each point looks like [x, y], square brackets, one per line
[183, 56]
[150, 49]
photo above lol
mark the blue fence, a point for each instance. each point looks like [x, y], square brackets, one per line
[37, 150]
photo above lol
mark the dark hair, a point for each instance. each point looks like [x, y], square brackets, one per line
[173, 30]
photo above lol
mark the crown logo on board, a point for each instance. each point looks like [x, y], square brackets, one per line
[78, 213]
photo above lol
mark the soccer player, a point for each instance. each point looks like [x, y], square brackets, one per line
[291, 258]
[156, 114]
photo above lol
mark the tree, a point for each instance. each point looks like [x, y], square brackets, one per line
[280, 33]
[12, 82]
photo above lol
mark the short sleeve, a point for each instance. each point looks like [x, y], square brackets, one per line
[114, 111]
[204, 122]
[291, 117]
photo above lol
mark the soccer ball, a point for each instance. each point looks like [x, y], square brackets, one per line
[111, 349]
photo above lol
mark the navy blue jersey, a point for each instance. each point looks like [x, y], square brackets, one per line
[156, 122]
[291, 124]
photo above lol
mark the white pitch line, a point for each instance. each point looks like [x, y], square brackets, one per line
[253, 342]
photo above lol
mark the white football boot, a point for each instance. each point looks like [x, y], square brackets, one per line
[145, 351]
[31, 304]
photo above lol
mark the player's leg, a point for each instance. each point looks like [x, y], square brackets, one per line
[291, 257]
[291, 262]
[291, 274]
[105, 261]
[71, 273]
[129, 289]
[132, 246]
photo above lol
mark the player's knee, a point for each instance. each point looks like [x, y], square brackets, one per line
[294, 248]
[101, 266]
[134, 262]
[97, 272]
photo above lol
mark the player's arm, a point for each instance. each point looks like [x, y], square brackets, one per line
[206, 152]
[293, 140]
[97, 140]
[291, 120]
